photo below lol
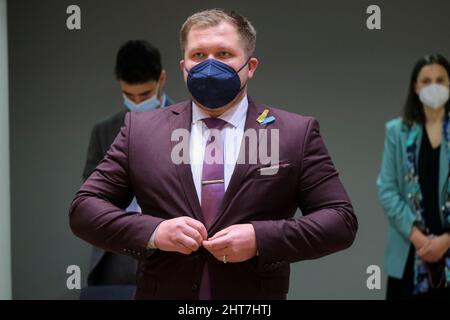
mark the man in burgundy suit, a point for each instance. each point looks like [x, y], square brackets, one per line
[219, 225]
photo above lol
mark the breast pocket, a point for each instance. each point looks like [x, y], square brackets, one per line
[272, 171]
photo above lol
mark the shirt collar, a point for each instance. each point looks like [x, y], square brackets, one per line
[163, 100]
[233, 116]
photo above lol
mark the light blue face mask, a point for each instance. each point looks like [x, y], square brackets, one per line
[146, 105]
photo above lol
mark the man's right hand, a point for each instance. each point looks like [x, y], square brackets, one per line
[183, 234]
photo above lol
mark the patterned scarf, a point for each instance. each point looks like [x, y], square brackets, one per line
[422, 278]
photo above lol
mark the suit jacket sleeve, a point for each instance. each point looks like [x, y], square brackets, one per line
[97, 214]
[328, 223]
[395, 207]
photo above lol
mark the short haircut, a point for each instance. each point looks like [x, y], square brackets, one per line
[212, 18]
[138, 61]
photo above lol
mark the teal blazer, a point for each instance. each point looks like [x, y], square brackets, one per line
[393, 193]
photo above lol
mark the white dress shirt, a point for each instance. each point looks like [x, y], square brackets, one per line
[232, 134]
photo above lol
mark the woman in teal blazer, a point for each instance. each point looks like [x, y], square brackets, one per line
[413, 187]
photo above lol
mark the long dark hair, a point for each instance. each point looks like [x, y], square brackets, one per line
[413, 110]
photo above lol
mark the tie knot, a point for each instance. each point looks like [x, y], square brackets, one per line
[214, 123]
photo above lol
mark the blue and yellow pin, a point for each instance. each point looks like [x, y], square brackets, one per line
[264, 119]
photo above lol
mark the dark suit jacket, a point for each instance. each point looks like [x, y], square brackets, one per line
[139, 163]
[102, 136]
[107, 268]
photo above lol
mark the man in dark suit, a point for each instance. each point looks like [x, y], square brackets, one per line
[141, 77]
[217, 218]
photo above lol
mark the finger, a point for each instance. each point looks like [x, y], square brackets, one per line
[421, 253]
[217, 244]
[182, 249]
[427, 256]
[207, 245]
[193, 234]
[434, 255]
[208, 249]
[197, 225]
[229, 259]
[188, 242]
[220, 258]
[219, 234]
[223, 252]
[219, 252]
[424, 248]
[424, 257]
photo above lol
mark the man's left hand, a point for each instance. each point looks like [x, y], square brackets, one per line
[237, 243]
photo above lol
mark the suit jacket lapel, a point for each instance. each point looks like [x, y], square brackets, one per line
[443, 169]
[240, 170]
[181, 118]
[443, 161]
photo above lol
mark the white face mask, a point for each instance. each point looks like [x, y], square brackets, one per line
[434, 95]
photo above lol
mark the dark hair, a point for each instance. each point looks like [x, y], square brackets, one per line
[413, 110]
[137, 62]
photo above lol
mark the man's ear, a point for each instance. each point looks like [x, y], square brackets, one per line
[162, 78]
[183, 70]
[252, 66]
[182, 65]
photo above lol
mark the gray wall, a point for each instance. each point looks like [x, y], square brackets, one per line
[5, 225]
[316, 58]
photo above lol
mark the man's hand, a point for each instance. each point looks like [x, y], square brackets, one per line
[435, 248]
[182, 234]
[237, 243]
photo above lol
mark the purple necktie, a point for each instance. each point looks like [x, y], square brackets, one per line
[213, 187]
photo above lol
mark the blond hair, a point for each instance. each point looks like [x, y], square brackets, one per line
[212, 18]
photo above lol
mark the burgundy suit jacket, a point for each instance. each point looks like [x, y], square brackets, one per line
[139, 163]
